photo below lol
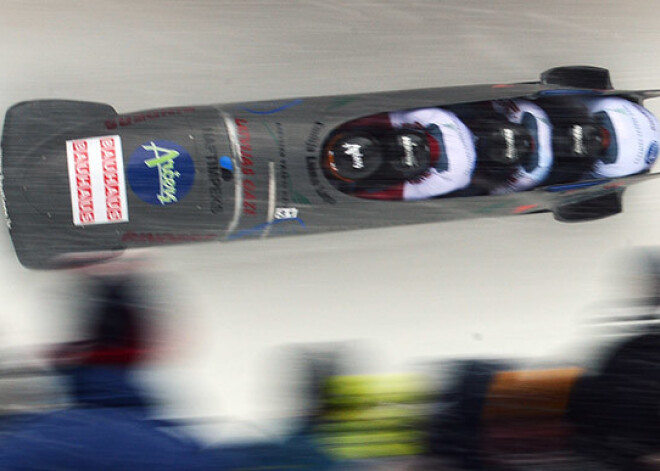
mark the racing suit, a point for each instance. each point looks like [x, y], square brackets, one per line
[453, 146]
[536, 169]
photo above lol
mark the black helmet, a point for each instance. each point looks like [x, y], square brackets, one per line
[353, 157]
[579, 142]
[503, 144]
[407, 155]
[576, 147]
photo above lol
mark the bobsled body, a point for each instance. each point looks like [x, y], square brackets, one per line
[80, 179]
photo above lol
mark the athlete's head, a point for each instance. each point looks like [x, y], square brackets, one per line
[396, 155]
[577, 146]
[632, 134]
[353, 156]
[407, 155]
[503, 146]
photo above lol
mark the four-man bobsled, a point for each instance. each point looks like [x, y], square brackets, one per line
[82, 182]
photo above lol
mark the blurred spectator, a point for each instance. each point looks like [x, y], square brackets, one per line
[108, 426]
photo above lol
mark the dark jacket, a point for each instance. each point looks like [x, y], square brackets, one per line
[110, 430]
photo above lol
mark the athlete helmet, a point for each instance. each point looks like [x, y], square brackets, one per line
[580, 142]
[503, 145]
[353, 157]
[632, 136]
[407, 155]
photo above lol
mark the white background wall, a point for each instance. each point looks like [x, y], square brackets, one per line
[513, 286]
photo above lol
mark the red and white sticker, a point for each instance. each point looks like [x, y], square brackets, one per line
[96, 180]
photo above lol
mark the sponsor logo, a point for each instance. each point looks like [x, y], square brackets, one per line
[312, 142]
[652, 153]
[287, 193]
[510, 153]
[355, 152]
[161, 172]
[284, 179]
[247, 168]
[83, 182]
[409, 160]
[213, 167]
[113, 206]
[579, 147]
[215, 183]
[131, 119]
[96, 180]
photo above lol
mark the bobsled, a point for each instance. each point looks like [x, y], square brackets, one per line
[82, 183]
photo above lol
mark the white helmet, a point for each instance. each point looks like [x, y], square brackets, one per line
[634, 136]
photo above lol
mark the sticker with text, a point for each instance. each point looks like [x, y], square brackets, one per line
[96, 180]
